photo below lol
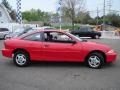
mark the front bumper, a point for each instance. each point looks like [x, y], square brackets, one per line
[111, 57]
[7, 53]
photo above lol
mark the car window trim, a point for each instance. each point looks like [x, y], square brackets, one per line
[41, 40]
[59, 41]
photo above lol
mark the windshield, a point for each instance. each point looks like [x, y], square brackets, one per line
[19, 30]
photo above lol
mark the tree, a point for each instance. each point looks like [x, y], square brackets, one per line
[70, 8]
[113, 19]
[36, 15]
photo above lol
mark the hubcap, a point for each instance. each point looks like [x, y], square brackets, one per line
[97, 36]
[94, 61]
[20, 59]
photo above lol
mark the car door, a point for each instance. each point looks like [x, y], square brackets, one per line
[59, 49]
[33, 44]
[82, 32]
[90, 31]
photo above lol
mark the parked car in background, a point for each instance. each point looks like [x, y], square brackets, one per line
[4, 32]
[87, 32]
[58, 46]
[17, 32]
[21, 31]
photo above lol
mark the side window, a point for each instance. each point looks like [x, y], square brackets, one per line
[56, 37]
[82, 29]
[85, 29]
[33, 37]
[3, 29]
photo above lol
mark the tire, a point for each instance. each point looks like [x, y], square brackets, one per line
[95, 60]
[97, 37]
[5, 37]
[21, 59]
[93, 37]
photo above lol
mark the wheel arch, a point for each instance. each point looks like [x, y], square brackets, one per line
[96, 51]
[20, 49]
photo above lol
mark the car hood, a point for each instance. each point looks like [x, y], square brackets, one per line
[95, 46]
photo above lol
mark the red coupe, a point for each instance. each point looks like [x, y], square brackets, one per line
[58, 46]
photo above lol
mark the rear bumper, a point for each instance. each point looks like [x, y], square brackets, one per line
[111, 57]
[7, 53]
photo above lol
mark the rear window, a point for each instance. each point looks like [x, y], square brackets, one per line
[3, 29]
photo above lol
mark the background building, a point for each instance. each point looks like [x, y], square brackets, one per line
[4, 15]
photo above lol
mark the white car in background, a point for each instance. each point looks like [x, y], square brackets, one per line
[18, 32]
[4, 32]
[21, 31]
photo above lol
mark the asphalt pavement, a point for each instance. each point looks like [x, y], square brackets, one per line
[61, 76]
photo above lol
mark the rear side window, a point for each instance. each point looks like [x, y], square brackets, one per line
[33, 37]
[3, 29]
[84, 29]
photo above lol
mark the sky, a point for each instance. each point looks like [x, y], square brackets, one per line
[51, 5]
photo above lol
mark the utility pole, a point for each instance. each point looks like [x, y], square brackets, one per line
[97, 15]
[109, 5]
[60, 13]
[60, 18]
[104, 11]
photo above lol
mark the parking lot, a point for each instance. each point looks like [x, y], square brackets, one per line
[61, 76]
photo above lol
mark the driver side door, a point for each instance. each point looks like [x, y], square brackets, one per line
[59, 48]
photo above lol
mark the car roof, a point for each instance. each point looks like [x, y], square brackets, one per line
[39, 31]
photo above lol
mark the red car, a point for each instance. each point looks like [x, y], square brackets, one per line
[58, 46]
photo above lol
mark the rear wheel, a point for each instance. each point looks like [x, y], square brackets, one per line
[21, 59]
[95, 60]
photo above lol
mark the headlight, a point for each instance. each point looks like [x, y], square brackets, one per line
[111, 51]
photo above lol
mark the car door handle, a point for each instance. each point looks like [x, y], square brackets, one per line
[46, 45]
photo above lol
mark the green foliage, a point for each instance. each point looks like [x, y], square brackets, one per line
[113, 19]
[81, 18]
[36, 15]
[110, 19]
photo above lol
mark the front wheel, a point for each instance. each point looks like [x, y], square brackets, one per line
[21, 59]
[97, 36]
[95, 60]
